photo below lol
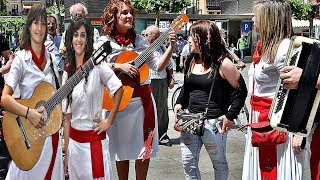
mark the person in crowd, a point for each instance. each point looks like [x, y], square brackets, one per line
[231, 54]
[76, 10]
[160, 81]
[242, 45]
[32, 65]
[209, 64]
[143, 33]
[6, 54]
[134, 135]
[84, 126]
[179, 46]
[183, 56]
[52, 31]
[283, 161]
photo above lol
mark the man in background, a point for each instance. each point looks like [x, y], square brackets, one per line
[159, 85]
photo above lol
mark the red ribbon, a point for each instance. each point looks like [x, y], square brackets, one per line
[37, 60]
[268, 154]
[95, 148]
[55, 140]
[149, 121]
[257, 53]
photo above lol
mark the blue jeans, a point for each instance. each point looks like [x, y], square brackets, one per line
[215, 144]
[242, 53]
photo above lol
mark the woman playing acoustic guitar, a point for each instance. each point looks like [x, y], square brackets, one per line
[133, 135]
[84, 129]
[31, 66]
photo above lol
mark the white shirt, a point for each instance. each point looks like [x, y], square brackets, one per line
[266, 75]
[25, 73]
[87, 96]
[163, 74]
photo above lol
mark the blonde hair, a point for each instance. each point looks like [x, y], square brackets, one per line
[273, 18]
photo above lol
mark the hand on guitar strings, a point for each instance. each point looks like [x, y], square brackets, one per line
[129, 69]
[290, 76]
[36, 117]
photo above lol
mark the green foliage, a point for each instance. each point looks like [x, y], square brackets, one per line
[301, 10]
[3, 7]
[157, 6]
[13, 24]
[51, 9]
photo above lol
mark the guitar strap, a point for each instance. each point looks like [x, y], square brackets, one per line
[54, 72]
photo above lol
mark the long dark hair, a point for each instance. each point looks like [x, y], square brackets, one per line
[36, 12]
[70, 61]
[207, 35]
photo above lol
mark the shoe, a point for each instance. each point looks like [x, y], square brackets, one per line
[168, 143]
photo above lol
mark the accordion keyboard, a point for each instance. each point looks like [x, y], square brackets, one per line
[282, 114]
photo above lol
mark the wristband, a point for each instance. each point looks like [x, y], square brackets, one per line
[27, 113]
[112, 65]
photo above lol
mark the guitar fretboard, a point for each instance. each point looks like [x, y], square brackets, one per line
[138, 62]
[64, 90]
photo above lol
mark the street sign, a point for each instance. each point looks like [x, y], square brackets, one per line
[246, 26]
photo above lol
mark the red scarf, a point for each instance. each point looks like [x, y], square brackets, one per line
[83, 61]
[257, 53]
[123, 40]
[37, 60]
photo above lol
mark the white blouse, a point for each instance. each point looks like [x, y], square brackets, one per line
[87, 96]
[266, 75]
[25, 73]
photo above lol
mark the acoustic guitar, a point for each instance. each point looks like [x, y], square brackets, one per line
[24, 141]
[139, 62]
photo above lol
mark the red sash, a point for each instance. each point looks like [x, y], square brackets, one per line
[95, 148]
[55, 141]
[267, 155]
[149, 121]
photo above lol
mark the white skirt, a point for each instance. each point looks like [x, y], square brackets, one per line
[79, 160]
[290, 166]
[126, 133]
[39, 171]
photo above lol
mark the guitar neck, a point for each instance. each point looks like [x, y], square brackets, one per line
[64, 90]
[141, 59]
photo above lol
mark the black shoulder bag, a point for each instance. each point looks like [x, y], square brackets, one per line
[193, 123]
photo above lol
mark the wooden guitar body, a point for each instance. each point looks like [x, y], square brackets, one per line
[26, 157]
[128, 83]
[139, 62]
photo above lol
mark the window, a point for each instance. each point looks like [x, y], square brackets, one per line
[14, 9]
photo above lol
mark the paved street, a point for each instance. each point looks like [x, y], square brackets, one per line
[167, 165]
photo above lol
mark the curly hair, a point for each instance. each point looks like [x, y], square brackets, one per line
[70, 61]
[36, 13]
[110, 16]
[207, 35]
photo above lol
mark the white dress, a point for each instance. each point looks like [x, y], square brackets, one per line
[126, 134]
[86, 102]
[25, 74]
[290, 166]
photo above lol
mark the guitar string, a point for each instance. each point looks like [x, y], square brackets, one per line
[146, 54]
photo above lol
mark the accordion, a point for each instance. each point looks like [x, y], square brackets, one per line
[294, 110]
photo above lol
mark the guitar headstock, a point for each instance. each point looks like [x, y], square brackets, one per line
[179, 22]
[101, 53]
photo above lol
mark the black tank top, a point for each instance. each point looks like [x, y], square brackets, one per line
[198, 88]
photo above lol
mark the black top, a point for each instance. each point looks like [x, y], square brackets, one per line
[4, 44]
[195, 93]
